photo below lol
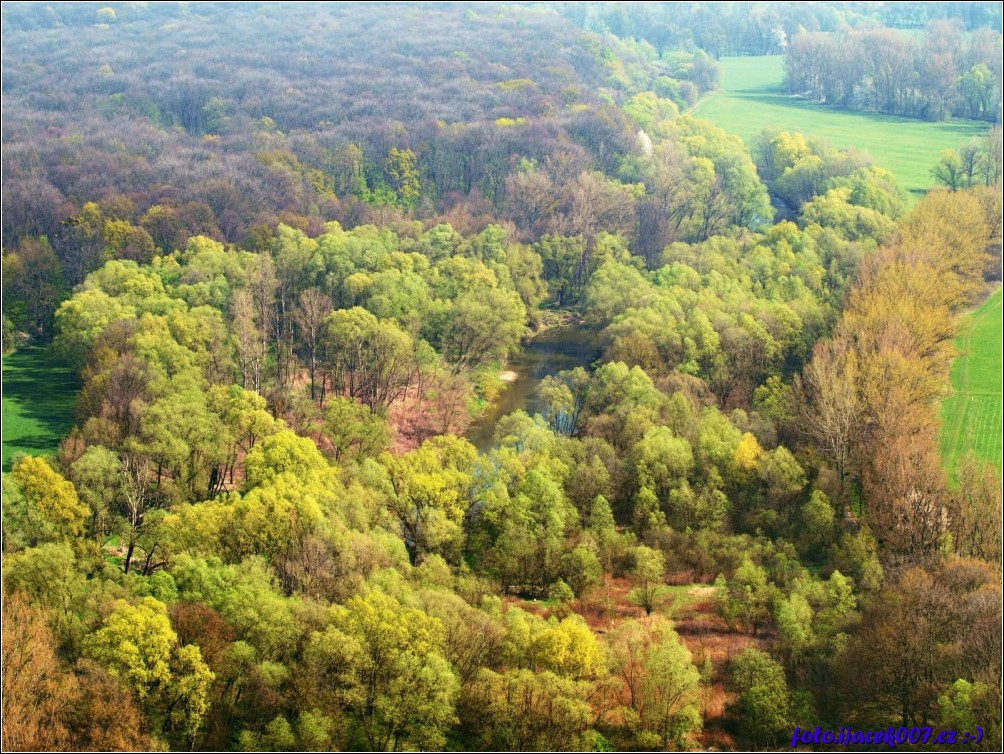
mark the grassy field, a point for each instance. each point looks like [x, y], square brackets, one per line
[751, 98]
[38, 398]
[971, 416]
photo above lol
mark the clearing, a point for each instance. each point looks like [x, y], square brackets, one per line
[39, 393]
[691, 606]
[752, 98]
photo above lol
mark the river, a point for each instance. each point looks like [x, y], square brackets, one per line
[554, 350]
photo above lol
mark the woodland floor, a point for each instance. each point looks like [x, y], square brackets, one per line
[691, 606]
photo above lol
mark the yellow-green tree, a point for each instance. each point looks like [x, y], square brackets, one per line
[433, 489]
[403, 173]
[386, 663]
[48, 508]
[137, 644]
[522, 710]
[764, 702]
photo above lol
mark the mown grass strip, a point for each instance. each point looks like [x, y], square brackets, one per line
[972, 415]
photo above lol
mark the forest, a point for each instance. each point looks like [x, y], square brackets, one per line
[267, 267]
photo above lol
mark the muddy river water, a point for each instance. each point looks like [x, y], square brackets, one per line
[554, 350]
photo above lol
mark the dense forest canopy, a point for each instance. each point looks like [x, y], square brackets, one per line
[288, 250]
[261, 111]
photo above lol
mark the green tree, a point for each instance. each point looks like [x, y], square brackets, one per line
[564, 397]
[818, 522]
[794, 624]
[49, 576]
[32, 285]
[527, 271]
[123, 240]
[188, 442]
[432, 492]
[835, 209]
[745, 598]
[369, 359]
[857, 556]
[733, 193]
[187, 699]
[764, 704]
[602, 526]
[82, 319]
[566, 266]
[313, 731]
[309, 315]
[281, 453]
[959, 705]
[354, 430]
[99, 478]
[530, 532]
[977, 87]
[273, 520]
[135, 643]
[648, 574]
[523, 710]
[662, 461]
[561, 593]
[485, 325]
[581, 570]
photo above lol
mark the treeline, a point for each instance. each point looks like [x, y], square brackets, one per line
[694, 184]
[945, 72]
[299, 125]
[303, 125]
[870, 404]
[978, 162]
[762, 28]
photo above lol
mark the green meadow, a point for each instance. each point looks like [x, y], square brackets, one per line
[39, 393]
[971, 416]
[752, 98]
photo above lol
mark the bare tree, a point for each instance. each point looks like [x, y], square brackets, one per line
[251, 348]
[831, 408]
[309, 316]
